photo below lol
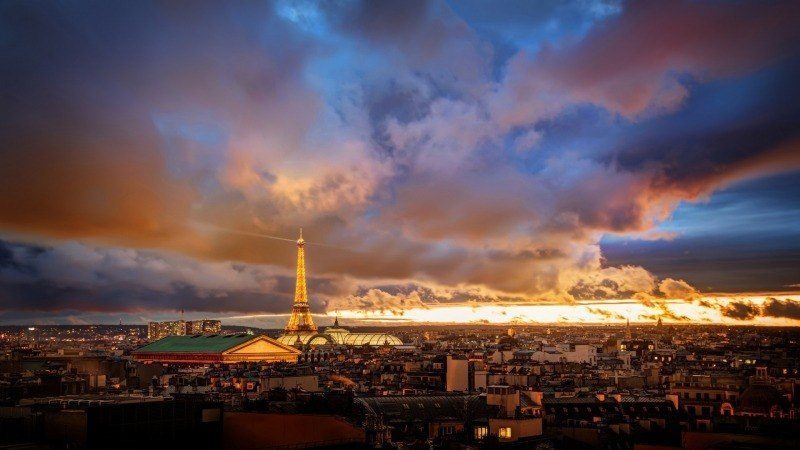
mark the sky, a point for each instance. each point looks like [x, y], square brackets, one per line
[470, 161]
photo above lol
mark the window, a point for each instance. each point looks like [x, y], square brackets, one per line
[481, 432]
[504, 432]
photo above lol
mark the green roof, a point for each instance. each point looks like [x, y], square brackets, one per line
[198, 343]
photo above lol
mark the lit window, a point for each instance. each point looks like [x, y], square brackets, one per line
[481, 432]
[504, 432]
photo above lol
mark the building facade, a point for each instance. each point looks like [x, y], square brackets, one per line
[211, 349]
[158, 330]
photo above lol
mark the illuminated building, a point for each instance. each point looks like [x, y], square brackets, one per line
[301, 320]
[204, 326]
[301, 331]
[216, 348]
[339, 336]
[158, 330]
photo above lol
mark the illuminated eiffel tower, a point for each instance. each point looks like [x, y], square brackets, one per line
[301, 316]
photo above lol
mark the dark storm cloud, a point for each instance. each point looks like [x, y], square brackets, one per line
[632, 62]
[689, 164]
[740, 310]
[382, 19]
[772, 307]
[781, 308]
[79, 277]
[757, 218]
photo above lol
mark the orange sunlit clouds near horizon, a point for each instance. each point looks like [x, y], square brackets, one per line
[703, 310]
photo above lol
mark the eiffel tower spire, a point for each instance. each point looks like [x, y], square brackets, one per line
[301, 316]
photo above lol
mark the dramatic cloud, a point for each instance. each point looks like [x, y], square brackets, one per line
[607, 314]
[781, 308]
[632, 63]
[443, 156]
[677, 289]
[740, 310]
[76, 276]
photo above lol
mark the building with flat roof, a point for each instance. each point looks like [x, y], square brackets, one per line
[216, 348]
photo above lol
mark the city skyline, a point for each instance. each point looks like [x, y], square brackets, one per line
[457, 162]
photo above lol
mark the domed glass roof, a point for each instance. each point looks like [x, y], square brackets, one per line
[374, 339]
[319, 340]
[293, 338]
[339, 336]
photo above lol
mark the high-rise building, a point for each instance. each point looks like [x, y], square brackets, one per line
[301, 315]
[204, 326]
[158, 330]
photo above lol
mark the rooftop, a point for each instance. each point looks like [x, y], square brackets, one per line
[198, 343]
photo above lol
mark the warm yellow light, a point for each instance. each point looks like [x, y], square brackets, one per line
[611, 311]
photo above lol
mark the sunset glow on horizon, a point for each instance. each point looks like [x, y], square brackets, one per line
[671, 311]
[611, 312]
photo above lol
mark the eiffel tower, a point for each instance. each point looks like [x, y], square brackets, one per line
[301, 316]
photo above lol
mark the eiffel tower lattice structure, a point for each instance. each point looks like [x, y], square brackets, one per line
[301, 315]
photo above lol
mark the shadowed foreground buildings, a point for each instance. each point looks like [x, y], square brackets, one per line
[255, 431]
[116, 421]
[601, 387]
